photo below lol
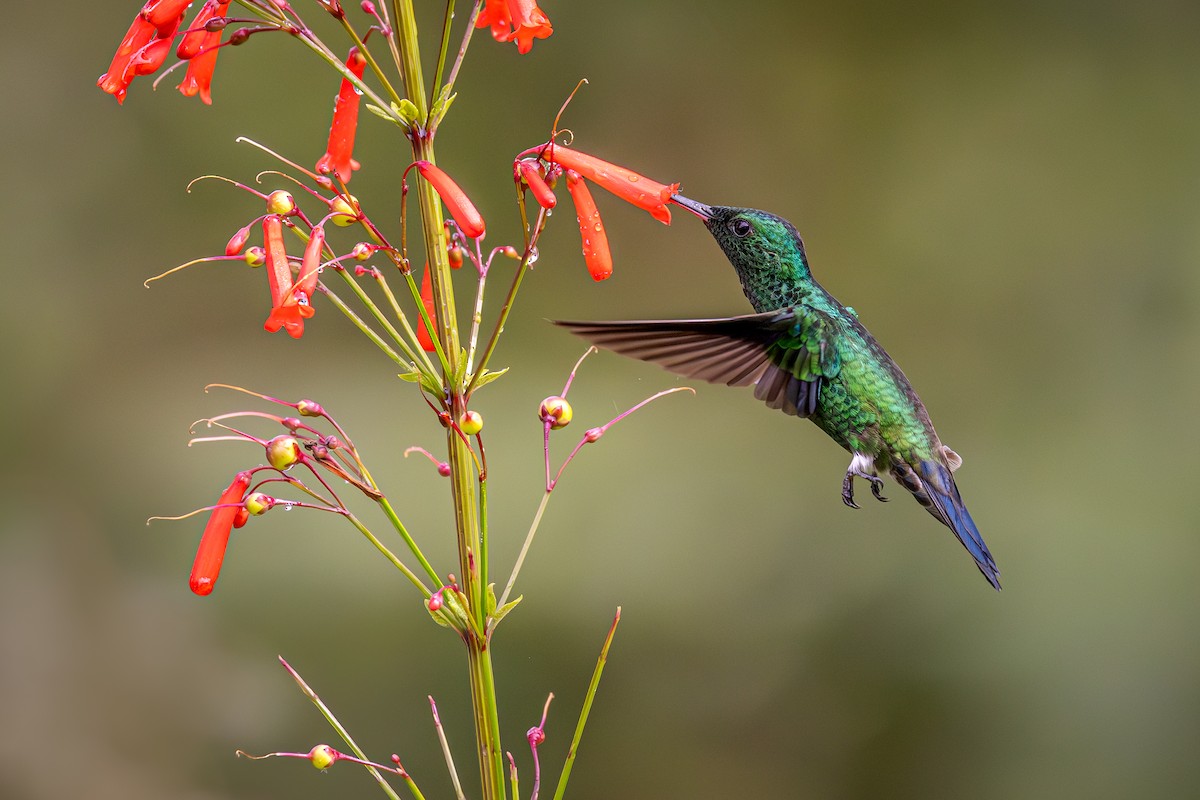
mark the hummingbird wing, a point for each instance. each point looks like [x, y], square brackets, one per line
[787, 353]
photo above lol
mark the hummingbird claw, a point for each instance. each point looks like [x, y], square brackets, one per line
[856, 471]
[848, 491]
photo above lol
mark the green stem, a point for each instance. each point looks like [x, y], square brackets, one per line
[400, 565]
[382, 319]
[537, 520]
[441, 62]
[345, 734]
[412, 545]
[459, 456]
[358, 322]
[593, 685]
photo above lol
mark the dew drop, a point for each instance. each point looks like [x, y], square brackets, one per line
[599, 227]
[634, 178]
[287, 506]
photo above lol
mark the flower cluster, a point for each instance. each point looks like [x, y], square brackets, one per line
[538, 167]
[147, 45]
[519, 21]
[302, 445]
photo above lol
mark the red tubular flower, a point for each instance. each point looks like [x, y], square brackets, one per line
[165, 15]
[624, 183]
[596, 254]
[495, 15]
[337, 156]
[310, 267]
[116, 81]
[211, 553]
[461, 208]
[529, 23]
[424, 335]
[198, 80]
[533, 178]
[286, 310]
[193, 41]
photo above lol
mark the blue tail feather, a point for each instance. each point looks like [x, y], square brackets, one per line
[933, 486]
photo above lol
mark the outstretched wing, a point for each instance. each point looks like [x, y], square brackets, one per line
[788, 353]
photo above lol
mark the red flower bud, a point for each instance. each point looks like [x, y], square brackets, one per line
[424, 335]
[542, 192]
[310, 266]
[286, 310]
[237, 241]
[337, 156]
[596, 254]
[456, 200]
[211, 553]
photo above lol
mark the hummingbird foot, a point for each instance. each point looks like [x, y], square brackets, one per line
[858, 469]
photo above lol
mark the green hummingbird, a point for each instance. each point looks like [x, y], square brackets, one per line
[809, 356]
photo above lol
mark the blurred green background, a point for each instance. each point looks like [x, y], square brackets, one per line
[1009, 194]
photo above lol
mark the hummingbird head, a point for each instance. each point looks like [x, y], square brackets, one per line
[766, 250]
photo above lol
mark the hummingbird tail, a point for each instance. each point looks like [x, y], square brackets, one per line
[933, 486]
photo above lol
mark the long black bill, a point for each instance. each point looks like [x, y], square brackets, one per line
[699, 209]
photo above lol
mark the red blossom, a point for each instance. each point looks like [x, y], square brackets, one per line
[116, 81]
[495, 15]
[337, 156]
[460, 206]
[529, 23]
[211, 553]
[194, 40]
[165, 15]
[310, 267]
[624, 183]
[542, 192]
[198, 80]
[424, 335]
[286, 310]
[596, 254]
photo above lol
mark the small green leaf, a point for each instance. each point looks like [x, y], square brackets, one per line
[487, 376]
[383, 113]
[406, 111]
[411, 377]
[491, 598]
[503, 610]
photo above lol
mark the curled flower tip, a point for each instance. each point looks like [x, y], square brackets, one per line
[424, 334]
[596, 253]
[626, 184]
[529, 22]
[460, 206]
[532, 176]
[337, 158]
[210, 555]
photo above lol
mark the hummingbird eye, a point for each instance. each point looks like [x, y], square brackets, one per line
[741, 228]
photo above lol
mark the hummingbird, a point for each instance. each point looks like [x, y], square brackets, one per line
[807, 355]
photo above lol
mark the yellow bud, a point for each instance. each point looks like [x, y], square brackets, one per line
[470, 423]
[281, 202]
[343, 208]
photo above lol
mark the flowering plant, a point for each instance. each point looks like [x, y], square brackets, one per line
[311, 462]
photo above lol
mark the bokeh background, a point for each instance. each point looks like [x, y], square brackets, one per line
[1009, 194]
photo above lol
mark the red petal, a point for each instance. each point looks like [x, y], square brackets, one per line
[624, 183]
[596, 254]
[211, 553]
[460, 206]
[337, 156]
[424, 335]
[541, 190]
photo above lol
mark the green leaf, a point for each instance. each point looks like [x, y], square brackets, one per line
[487, 376]
[406, 111]
[383, 113]
[503, 610]
[491, 599]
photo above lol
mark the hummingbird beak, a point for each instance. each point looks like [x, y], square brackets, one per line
[699, 209]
